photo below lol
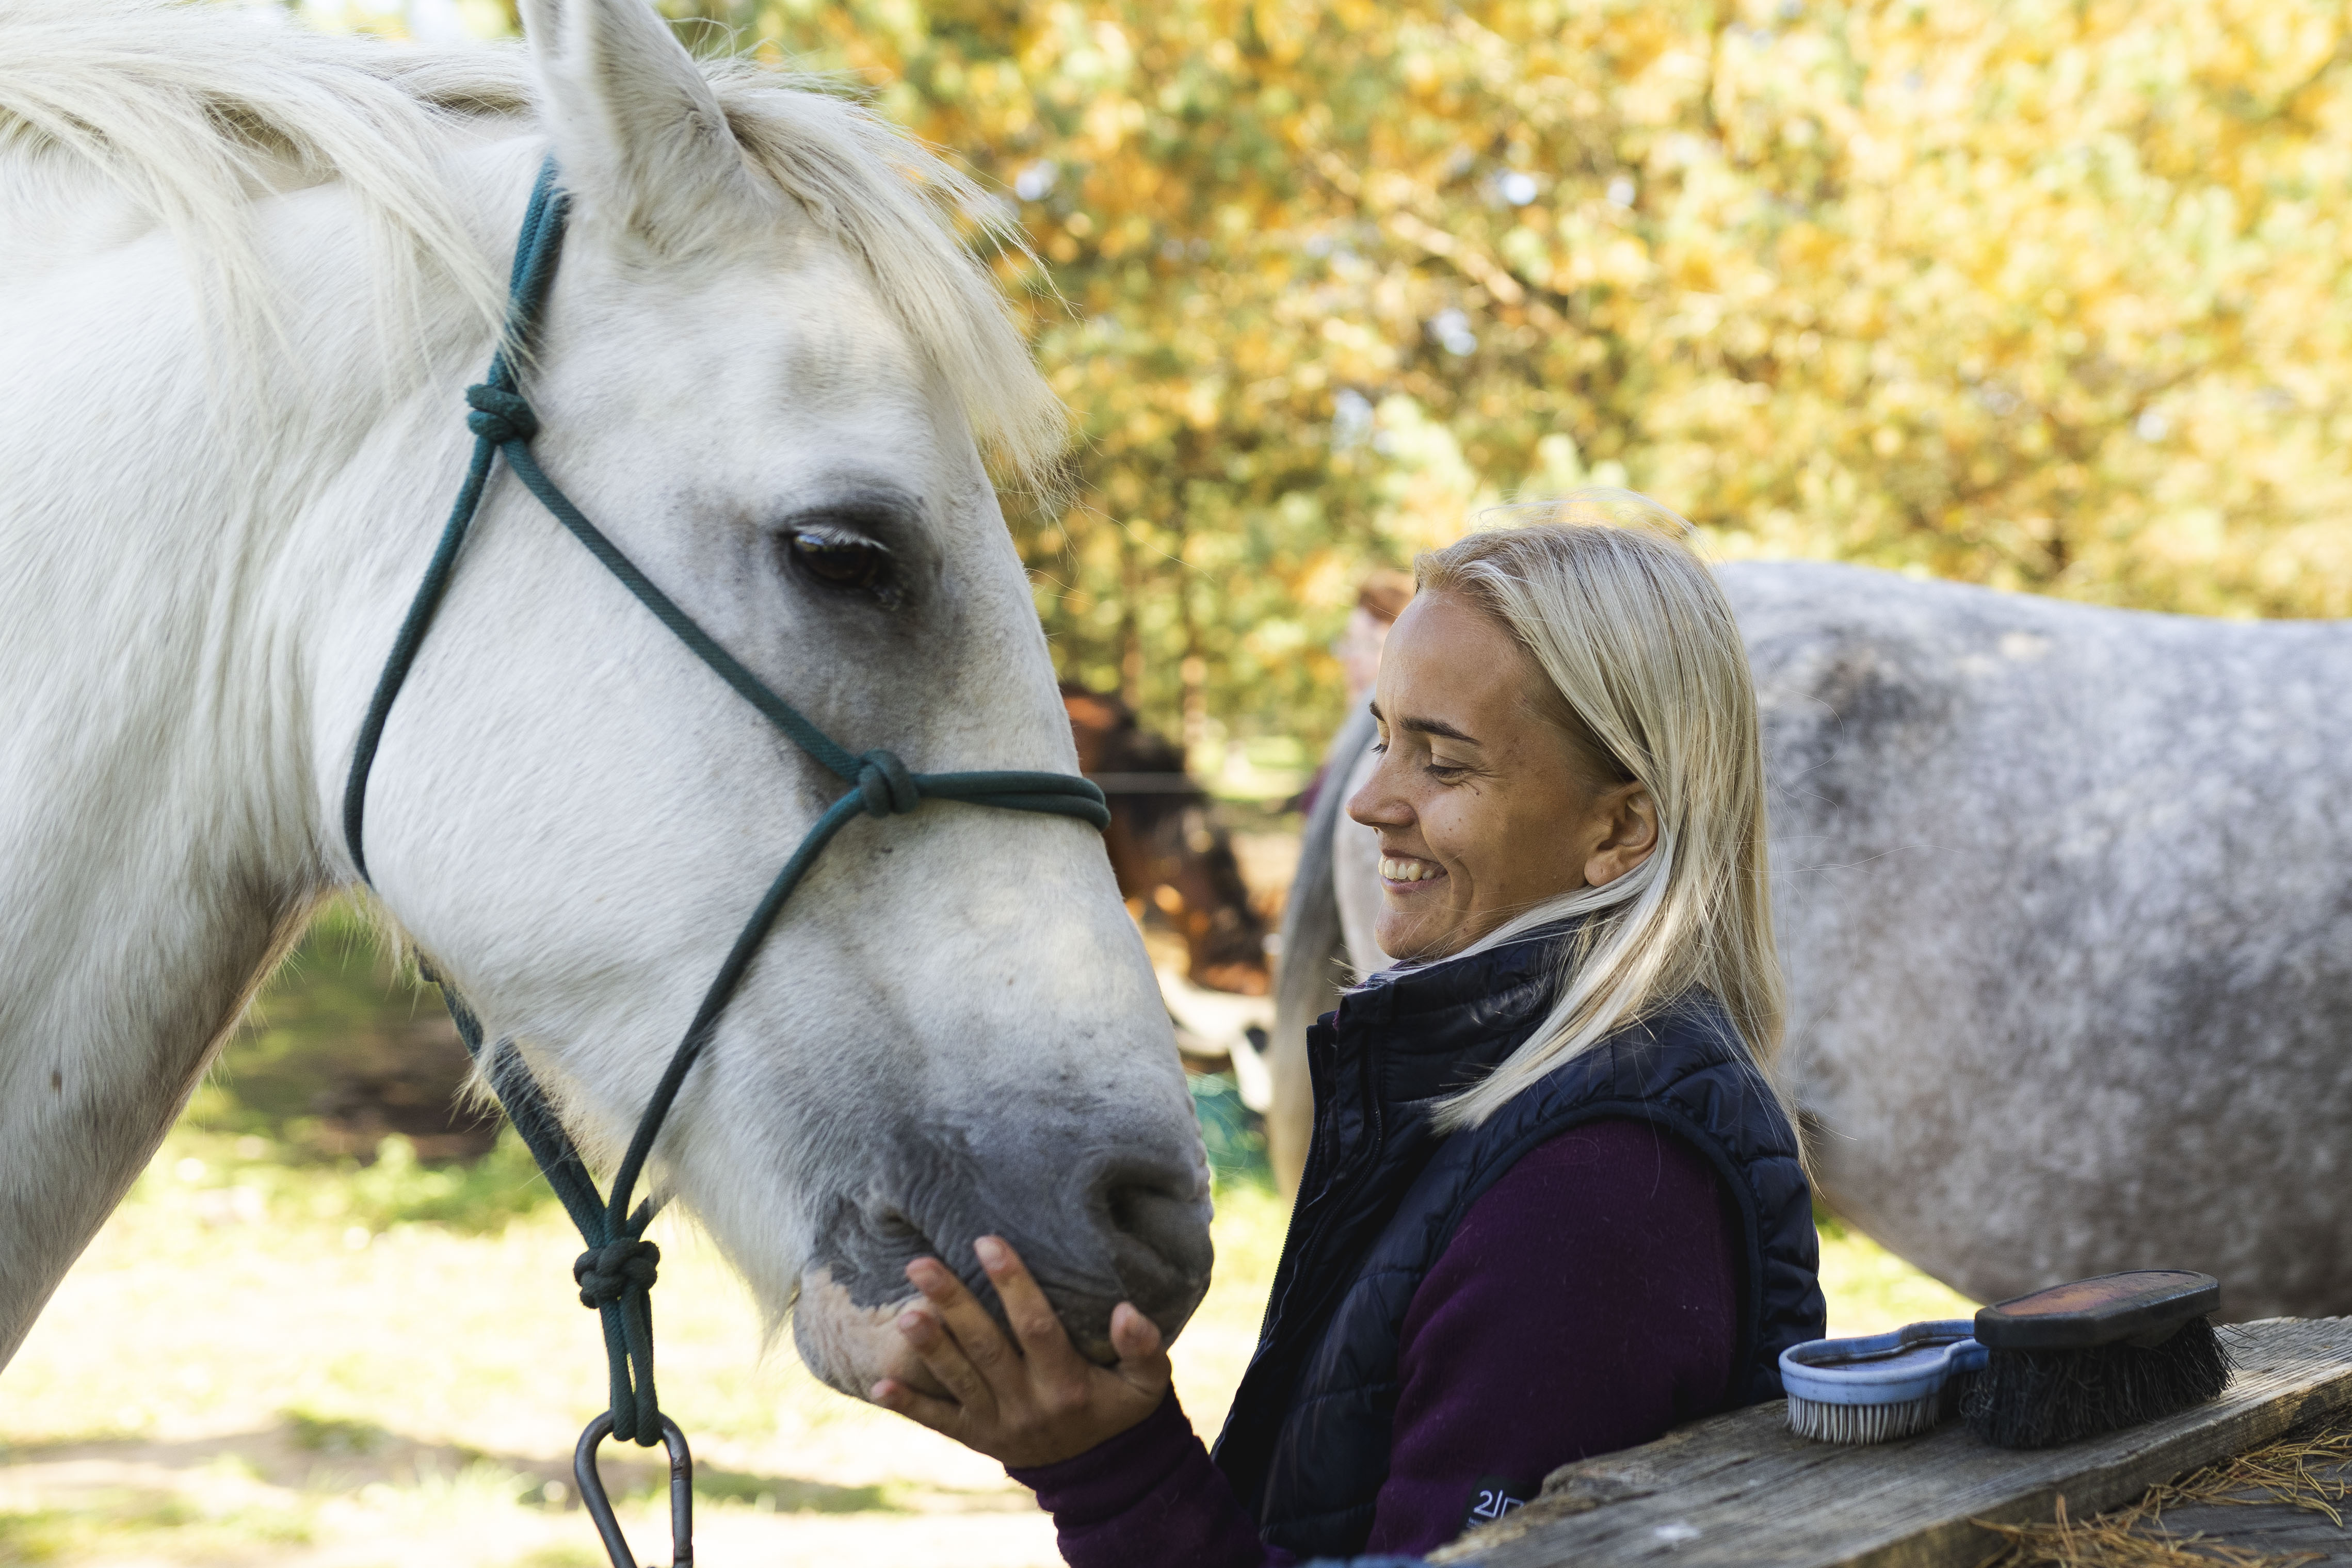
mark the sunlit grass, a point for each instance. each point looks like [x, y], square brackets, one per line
[1870, 1290]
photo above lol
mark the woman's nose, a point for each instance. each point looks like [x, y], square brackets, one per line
[1377, 804]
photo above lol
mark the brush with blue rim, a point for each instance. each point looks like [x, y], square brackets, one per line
[1879, 1387]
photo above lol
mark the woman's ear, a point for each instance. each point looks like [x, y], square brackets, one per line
[1630, 834]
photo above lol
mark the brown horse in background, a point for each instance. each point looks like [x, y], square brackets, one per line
[1164, 850]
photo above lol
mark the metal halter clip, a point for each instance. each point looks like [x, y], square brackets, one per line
[600, 1506]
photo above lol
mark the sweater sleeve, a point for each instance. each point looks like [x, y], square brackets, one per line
[1148, 1498]
[1586, 1303]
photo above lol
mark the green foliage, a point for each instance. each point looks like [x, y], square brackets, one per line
[1233, 1135]
[398, 1189]
[345, 1045]
[334, 1435]
[249, 1179]
[338, 989]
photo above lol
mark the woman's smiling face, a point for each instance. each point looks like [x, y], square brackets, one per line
[1486, 807]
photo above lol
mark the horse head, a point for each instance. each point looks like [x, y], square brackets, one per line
[767, 370]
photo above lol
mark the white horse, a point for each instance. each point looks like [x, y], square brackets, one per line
[2064, 899]
[245, 274]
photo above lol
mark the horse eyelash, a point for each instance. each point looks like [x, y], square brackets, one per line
[884, 590]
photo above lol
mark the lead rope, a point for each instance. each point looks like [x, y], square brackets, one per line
[616, 1274]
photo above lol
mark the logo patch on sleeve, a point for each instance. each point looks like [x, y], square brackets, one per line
[1494, 1497]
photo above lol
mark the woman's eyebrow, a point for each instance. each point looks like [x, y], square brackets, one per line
[1427, 726]
[1437, 726]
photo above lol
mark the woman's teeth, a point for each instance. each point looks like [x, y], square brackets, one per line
[1407, 871]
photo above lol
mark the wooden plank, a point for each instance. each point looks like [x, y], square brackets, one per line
[1741, 1490]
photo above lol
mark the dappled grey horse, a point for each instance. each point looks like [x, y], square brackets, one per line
[2063, 896]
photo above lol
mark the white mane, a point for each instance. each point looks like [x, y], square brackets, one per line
[188, 112]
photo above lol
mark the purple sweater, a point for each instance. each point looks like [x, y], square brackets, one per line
[1585, 1305]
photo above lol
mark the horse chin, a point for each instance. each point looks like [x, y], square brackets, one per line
[851, 1348]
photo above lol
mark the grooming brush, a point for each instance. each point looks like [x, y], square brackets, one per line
[2077, 1360]
[1880, 1387]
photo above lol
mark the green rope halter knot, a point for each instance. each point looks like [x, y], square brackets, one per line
[885, 786]
[604, 1274]
[499, 415]
[616, 1273]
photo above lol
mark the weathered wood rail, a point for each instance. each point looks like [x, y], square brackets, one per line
[1740, 1490]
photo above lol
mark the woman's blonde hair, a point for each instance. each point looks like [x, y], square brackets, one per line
[1649, 678]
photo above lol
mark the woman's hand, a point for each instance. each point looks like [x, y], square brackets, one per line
[1033, 1405]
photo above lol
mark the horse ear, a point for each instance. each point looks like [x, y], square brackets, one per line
[641, 138]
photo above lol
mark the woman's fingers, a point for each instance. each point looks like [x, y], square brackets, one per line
[1135, 1336]
[982, 1341]
[1043, 1338]
[1142, 1357]
[1033, 1405]
[939, 1350]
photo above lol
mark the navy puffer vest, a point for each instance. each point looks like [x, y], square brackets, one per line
[1307, 1445]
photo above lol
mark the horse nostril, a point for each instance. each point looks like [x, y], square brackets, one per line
[1160, 1246]
[1126, 1203]
[900, 1231]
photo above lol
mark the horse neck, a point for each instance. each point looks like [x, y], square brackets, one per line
[167, 576]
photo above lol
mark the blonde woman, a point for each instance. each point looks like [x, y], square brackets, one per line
[1554, 1203]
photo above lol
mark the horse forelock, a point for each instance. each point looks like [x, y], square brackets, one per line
[188, 114]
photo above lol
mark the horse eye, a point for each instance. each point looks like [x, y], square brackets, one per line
[841, 560]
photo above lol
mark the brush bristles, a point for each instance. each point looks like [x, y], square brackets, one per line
[2038, 1398]
[1858, 1424]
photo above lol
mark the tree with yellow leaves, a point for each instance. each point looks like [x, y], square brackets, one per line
[2043, 295]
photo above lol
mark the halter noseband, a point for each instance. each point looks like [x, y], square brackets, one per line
[617, 1271]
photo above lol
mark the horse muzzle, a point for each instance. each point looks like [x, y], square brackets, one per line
[1097, 1220]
